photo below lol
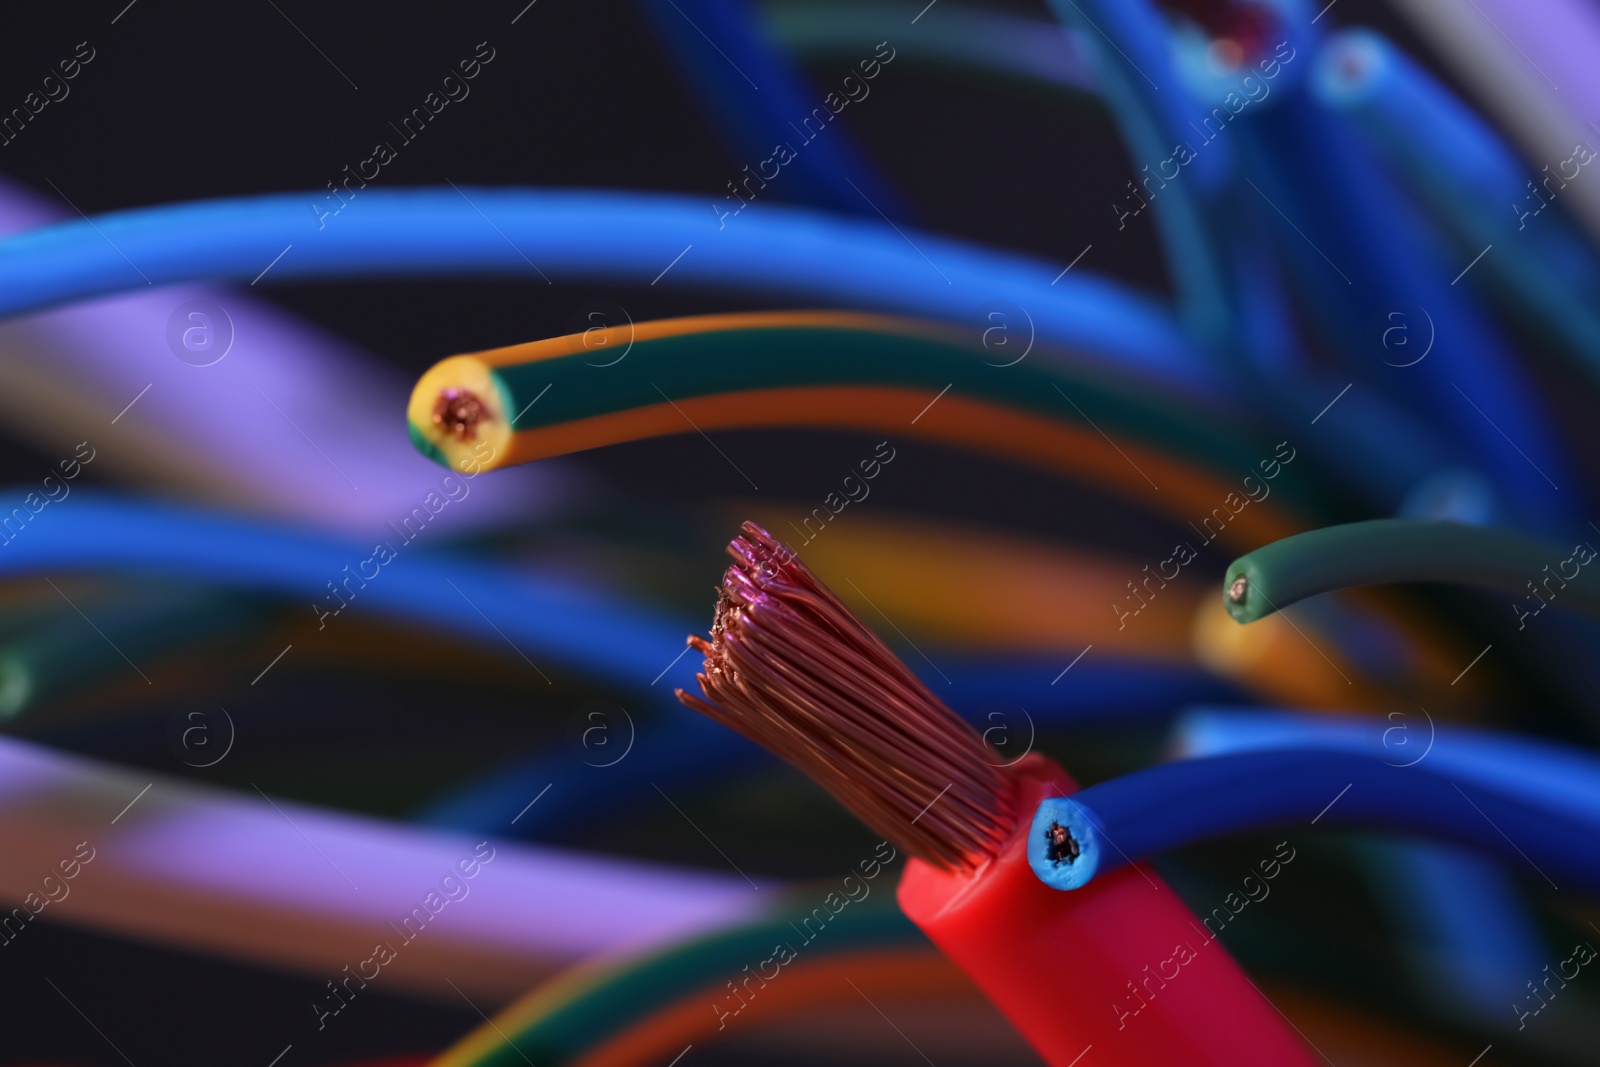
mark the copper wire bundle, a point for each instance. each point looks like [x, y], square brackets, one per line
[790, 667]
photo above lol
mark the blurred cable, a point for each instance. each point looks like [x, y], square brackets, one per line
[490, 409]
[593, 1014]
[759, 97]
[231, 874]
[1456, 165]
[964, 39]
[1529, 67]
[628, 238]
[216, 395]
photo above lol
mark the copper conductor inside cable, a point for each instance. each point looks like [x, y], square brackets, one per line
[1242, 27]
[789, 667]
[1239, 590]
[1061, 847]
[458, 411]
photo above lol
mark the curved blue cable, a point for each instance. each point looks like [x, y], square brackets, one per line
[544, 616]
[762, 100]
[1130, 692]
[1010, 700]
[1456, 165]
[622, 238]
[551, 621]
[629, 238]
[1451, 904]
[1462, 924]
[1359, 253]
[1131, 55]
[1171, 805]
[1550, 772]
[584, 785]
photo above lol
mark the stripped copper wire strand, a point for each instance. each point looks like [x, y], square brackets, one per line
[790, 667]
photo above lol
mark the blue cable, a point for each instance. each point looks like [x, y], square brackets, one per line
[544, 616]
[1462, 925]
[1171, 805]
[1457, 166]
[1358, 251]
[762, 100]
[685, 753]
[1009, 699]
[622, 238]
[990, 691]
[628, 238]
[1131, 57]
[1465, 920]
[547, 620]
[1550, 773]
[552, 621]
[1231, 300]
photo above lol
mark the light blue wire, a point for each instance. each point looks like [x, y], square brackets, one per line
[1542, 770]
[1457, 166]
[623, 238]
[1473, 933]
[1542, 832]
[762, 100]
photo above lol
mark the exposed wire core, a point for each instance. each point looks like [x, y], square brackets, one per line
[1060, 845]
[790, 667]
[1238, 589]
[458, 411]
[1241, 27]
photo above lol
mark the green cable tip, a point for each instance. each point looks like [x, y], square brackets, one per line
[1242, 596]
[1384, 551]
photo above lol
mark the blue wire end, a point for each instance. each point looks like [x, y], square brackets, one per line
[1063, 846]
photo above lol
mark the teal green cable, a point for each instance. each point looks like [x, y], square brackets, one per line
[1151, 123]
[585, 1012]
[1025, 51]
[1411, 550]
[65, 653]
[786, 352]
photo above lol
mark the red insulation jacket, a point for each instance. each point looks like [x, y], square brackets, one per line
[1120, 966]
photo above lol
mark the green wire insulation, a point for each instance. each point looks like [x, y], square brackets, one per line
[1029, 52]
[1409, 550]
[637, 988]
[60, 656]
[571, 387]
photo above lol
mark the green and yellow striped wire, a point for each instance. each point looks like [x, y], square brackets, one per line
[847, 371]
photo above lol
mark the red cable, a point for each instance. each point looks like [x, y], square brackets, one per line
[1120, 966]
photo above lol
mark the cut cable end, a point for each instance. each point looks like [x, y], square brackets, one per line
[790, 667]
[1063, 847]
